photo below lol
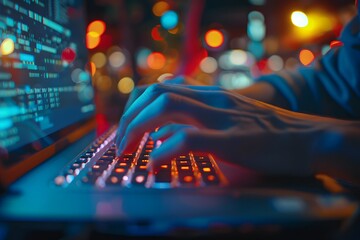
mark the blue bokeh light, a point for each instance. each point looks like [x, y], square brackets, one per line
[169, 20]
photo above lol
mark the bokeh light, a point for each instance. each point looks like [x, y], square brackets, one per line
[126, 85]
[97, 27]
[141, 57]
[238, 57]
[299, 19]
[258, 2]
[156, 60]
[155, 33]
[160, 7]
[208, 65]
[336, 43]
[169, 20]
[214, 38]
[92, 40]
[99, 59]
[306, 57]
[92, 68]
[117, 59]
[275, 63]
[68, 55]
[325, 49]
[7, 46]
[104, 83]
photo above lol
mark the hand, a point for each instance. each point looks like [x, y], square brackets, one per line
[232, 127]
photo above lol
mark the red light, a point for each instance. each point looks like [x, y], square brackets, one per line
[336, 43]
[155, 33]
[68, 55]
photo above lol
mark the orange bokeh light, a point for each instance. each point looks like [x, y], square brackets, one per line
[92, 68]
[92, 40]
[156, 60]
[160, 7]
[306, 57]
[97, 26]
[214, 38]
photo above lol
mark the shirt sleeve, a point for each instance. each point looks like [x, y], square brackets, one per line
[331, 86]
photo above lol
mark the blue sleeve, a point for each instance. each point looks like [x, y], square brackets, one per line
[331, 86]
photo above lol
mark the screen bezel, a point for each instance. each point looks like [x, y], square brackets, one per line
[65, 137]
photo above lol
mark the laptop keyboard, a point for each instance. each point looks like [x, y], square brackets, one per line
[99, 166]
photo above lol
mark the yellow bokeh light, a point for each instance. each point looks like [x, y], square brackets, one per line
[92, 40]
[214, 38]
[126, 85]
[7, 46]
[319, 23]
[97, 26]
[99, 59]
[299, 19]
[160, 7]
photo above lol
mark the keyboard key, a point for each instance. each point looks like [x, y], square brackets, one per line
[202, 159]
[115, 179]
[139, 179]
[120, 170]
[187, 179]
[141, 168]
[82, 160]
[99, 168]
[91, 177]
[210, 179]
[163, 177]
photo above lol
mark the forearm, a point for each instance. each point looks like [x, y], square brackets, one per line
[265, 92]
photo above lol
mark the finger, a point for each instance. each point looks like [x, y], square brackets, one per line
[135, 94]
[170, 107]
[182, 142]
[166, 131]
[200, 93]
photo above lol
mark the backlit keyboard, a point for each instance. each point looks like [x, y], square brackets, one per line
[99, 166]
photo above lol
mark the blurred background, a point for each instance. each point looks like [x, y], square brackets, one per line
[228, 43]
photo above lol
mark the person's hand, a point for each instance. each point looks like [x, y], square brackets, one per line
[231, 127]
[183, 80]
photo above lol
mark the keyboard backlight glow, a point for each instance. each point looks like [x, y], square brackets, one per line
[119, 170]
[184, 168]
[206, 169]
[211, 177]
[188, 178]
[140, 179]
[114, 180]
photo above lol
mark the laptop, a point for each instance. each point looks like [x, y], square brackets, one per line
[54, 169]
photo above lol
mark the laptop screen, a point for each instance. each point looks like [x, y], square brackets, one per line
[44, 82]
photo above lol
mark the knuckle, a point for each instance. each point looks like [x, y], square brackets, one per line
[166, 100]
